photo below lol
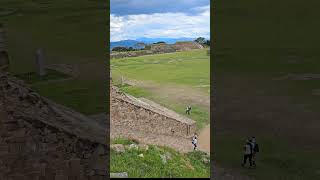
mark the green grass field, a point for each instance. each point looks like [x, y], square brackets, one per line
[254, 43]
[181, 70]
[188, 165]
[72, 32]
[282, 114]
[190, 68]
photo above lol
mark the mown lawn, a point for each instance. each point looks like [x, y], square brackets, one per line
[190, 68]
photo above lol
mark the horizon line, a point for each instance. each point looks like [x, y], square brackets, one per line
[136, 39]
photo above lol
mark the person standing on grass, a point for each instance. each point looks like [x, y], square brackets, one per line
[195, 142]
[247, 153]
[255, 150]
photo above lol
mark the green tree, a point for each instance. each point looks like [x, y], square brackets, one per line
[119, 49]
[208, 43]
[200, 40]
[160, 42]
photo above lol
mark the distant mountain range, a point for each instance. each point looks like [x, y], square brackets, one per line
[166, 40]
[123, 43]
[133, 43]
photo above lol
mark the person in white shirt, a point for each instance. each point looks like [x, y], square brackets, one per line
[195, 142]
[247, 153]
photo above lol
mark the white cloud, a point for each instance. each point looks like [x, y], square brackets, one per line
[173, 25]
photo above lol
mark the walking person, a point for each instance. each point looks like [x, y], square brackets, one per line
[255, 150]
[188, 109]
[195, 142]
[247, 153]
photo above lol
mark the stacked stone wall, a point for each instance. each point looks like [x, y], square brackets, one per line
[124, 112]
[34, 146]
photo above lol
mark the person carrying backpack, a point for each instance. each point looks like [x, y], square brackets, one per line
[247, 153]
[255, 147]
[195, 142]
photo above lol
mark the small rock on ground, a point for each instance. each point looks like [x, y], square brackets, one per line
[119, 148]
[143, 147]
[141, 155]
[119, 175]
[133, 146]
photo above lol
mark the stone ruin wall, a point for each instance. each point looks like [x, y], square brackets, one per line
[126, 114]
[158, 49]
[185, 46]
[31, 149]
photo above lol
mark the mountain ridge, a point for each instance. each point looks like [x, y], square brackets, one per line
[132, 42]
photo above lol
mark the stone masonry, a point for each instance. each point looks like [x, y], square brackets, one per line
[147, 116]
[42, 140]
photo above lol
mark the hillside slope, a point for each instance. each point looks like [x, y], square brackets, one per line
[148, 161]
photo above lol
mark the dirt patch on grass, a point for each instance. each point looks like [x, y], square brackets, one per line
[183, 94]
[224, 174]
[204, 139]
[299, 77]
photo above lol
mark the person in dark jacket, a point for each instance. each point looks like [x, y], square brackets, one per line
[255, 150]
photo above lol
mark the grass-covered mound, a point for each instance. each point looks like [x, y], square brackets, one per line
[157, 161]
[69, 33]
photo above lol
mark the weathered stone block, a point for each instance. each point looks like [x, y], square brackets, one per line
[74, 167]
[61, 177]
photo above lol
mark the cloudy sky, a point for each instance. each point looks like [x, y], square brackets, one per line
[132, 19]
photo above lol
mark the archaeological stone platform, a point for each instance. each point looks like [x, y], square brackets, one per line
[40, 139]
[146, 116]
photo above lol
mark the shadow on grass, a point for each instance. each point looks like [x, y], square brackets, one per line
[33, 77]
